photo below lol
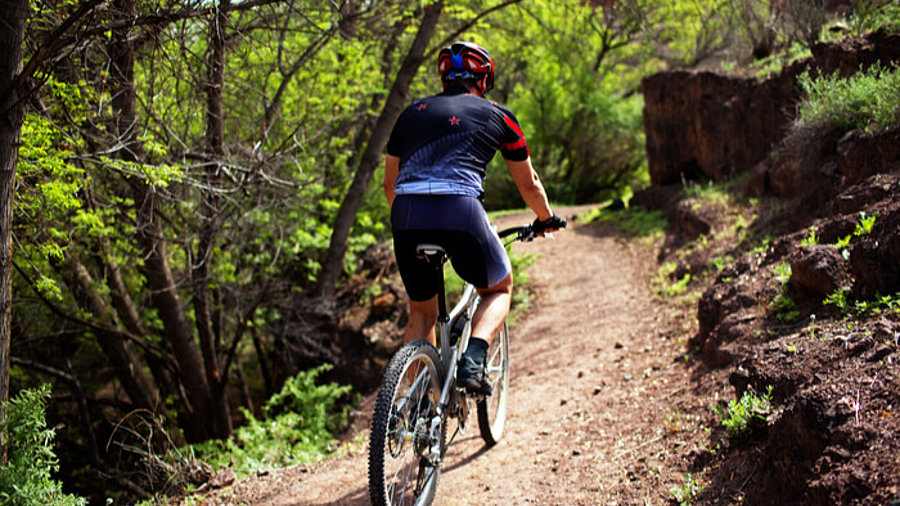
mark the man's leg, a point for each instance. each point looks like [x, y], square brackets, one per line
[492, 309]
[486, 323]
[422, 317]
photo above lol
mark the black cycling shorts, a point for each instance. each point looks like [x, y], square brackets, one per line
[457, 223]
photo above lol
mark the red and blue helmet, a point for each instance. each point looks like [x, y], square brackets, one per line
[469, 62]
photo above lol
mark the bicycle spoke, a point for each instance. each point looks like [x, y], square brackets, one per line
[492, 409]
[398, 468]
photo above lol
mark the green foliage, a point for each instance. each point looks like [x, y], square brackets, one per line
[783, 273]
[785, 308]
[881, 303]
[701, 28]
[687, 492]
[720, 262]
[865, 224]
[27, 479]
[870, 15]
[523, 292]
[777, 61]
[812, 239]
[838, 298]
[863, 227]
[869, 100]
[568, 72]
[711, 192]
[633, 221]
[738, 413]
[664, 287]
[298, 427]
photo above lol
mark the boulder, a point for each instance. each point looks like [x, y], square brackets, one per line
[819, 269]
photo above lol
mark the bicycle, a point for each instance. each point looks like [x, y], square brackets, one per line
[418, 395]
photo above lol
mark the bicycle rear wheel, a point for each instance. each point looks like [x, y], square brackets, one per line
[492, 409]
[403, 439]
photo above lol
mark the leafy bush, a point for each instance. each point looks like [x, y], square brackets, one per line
[869, 100]
[26, 478]
[298, 427]
[871, 15]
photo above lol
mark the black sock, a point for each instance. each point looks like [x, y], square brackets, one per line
[479, 346]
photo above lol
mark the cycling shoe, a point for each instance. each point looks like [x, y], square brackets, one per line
[471, 374]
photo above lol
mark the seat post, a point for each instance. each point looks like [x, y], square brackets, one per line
[436, 256]
[443, 316]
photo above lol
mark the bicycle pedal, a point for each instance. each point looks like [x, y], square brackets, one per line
[477, 396]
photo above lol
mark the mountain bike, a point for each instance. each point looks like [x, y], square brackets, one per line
[418, 395]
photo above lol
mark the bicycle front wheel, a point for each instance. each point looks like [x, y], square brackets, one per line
[407, 437]
[492, 409]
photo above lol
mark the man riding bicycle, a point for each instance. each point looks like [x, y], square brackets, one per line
[436, 163]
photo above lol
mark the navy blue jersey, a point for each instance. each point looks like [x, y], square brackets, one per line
[446, 141]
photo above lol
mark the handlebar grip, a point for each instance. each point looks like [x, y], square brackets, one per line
[554, 221]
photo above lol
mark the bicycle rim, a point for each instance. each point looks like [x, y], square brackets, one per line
[400, 472]
[492, 409]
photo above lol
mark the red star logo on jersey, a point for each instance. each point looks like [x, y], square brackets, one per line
[420, 107]
[454, 121]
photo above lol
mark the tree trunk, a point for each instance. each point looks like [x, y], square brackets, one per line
[163, 292]
[113, 343]
[393, 106]
[12, 113]
[209, 212]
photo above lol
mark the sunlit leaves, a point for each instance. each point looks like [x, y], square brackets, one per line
[569, 71]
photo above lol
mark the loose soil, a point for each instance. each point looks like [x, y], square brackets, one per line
[603, 404]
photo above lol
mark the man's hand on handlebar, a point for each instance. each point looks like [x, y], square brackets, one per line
[551, 224]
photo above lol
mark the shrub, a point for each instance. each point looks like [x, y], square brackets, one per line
[869, 100]
[871, 15]
[26, 478]
[298, 428]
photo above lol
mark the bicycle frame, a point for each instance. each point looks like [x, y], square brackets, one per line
[464, 308]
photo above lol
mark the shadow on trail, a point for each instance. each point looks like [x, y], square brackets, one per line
[358, 497]
[458, 446]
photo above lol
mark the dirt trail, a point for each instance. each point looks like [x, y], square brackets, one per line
[599, 400]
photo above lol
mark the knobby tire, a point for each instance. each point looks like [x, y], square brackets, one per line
[406, 401]
[492, 409]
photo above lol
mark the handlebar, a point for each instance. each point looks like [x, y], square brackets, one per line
[526, 233]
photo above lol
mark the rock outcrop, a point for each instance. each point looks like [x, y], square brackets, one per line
[702, 125]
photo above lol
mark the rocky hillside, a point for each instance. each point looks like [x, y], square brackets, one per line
[800, 272]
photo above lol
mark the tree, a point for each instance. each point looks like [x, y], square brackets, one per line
[391, 110]
[12, 112]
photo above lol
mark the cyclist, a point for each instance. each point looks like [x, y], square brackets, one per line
[437, 158]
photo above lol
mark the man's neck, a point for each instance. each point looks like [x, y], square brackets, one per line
[462, 87]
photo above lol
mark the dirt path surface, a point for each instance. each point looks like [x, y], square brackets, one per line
[599, 398]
